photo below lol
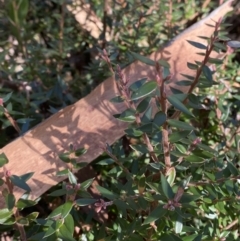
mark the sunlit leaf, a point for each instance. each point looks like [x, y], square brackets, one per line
[3, 159]
[167, 190]
[61, 211]
[144, 90]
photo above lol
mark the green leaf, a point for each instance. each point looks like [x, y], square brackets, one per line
[233, 169]
[7, 97]
[164, 63]
[171, 176]
[10, 201]
[58, 193]
[122, 206]
[133, 132]
[85, 201]
[180, 125]
[197, 45]
[195, 159]
[61, 211]
[106, 193]
[187, 198]
[62, 173]
[141, 184]
[11, 13]
[178, 135]
[5, 214]
[147, 116]
[157, 213]
[137, 84]
[179, 105]
[22, 9]
[142, 148]
[147, 128]
[207, 73]
[143, 105]
[117, 99]
[19, 182]
[143, 59]
[167, 190]
[215, 61]
[188, 76]
[106, 162]
[24, 203]
[159, 118]
[86, 184]
[3, 159]
[127, 116]
[52, 228]
[184, 83]
[65, 157]
[23, 221]
[157, 166]
[80, 151]
[178, 225]
[67, 229]
[192, 66]
[220, 46]
[72, 178]
[144, 90]
[32, 216]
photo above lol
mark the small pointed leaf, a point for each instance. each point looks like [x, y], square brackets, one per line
[179, 105]
[197, 45]
[143, 59]
[167, 190]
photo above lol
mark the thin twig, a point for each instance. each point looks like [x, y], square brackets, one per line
[163, 104]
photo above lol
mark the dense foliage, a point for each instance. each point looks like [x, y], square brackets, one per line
[177, 178]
